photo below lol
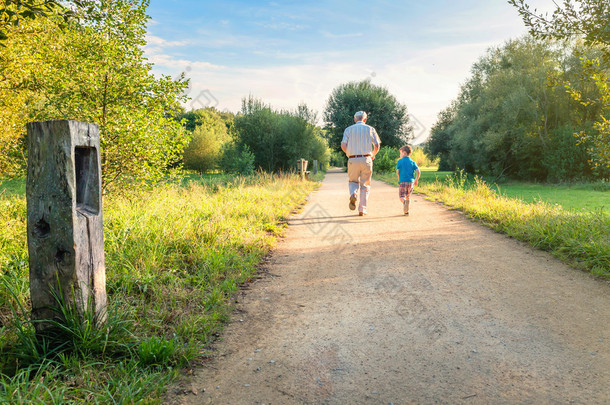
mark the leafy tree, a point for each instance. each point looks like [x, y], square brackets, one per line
[508, 117]
[236, 159]
[277, 138]
[438, 144]
[14, 11]
[422, 159]
[94, 70]
[209, 135]
[385, 161]
[583, 18]
[586, 19]
[385, 113]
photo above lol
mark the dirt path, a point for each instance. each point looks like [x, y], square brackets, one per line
[429, 308]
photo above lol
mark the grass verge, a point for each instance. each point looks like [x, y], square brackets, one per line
[580, 238]
[174, 257]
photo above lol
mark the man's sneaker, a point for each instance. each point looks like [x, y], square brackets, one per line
[352, 202]
[362, 214]
[405, 206]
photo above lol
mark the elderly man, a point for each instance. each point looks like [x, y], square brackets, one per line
[360, 143]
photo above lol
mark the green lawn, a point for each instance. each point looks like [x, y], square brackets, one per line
[428, 175]
[577, 197]
[12, 187]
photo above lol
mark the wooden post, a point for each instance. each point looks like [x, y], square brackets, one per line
[302, 168]
[64, 220]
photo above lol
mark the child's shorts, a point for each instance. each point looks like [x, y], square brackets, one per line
[405, 190]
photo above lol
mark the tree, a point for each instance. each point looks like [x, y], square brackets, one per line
[278, 138]
[583, 18]
[93, 70]
[586, 19]
[385, 113]
[511, 115]
[14, 11]
[209, 135]
[438, 144]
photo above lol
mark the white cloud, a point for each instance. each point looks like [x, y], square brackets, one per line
[425, 77]
[157, 42]
[425, 81]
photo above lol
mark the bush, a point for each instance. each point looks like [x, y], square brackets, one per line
[566, 159]
[237, 160]
[204, 151]
[338, 159]
[386, 159]
[421, 158]
[278, 138]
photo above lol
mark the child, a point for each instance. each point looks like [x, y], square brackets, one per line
[408, 175]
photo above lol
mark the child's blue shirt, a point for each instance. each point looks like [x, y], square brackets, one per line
[406, 170]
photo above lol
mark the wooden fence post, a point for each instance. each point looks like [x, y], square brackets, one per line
[64, 220]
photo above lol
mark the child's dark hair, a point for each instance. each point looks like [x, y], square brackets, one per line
[407, 149]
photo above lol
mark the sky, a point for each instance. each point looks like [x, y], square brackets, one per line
[291, 52]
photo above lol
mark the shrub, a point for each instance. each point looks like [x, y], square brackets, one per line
[278, 138]
[566, 159]
[338, 159]
[386, 159]
[421, 158]
[237, 160]
[204, 151]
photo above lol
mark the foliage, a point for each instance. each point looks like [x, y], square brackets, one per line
[385, 161]
[14, 11]
[237, 160]
[507, 120]
[587, 19]
[278, 138]
[202, 116]
[565, 159]
[174, 257]
[421, 158]
[439, 142]
[385, 113]
[210, 134]
[93, 69]
[599, 138]
[338, 159]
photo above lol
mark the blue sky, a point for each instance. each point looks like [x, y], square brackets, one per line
[288, 52]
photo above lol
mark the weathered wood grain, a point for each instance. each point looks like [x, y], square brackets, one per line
[64, 219]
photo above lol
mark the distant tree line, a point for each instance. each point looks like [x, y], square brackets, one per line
[517, 115]
[256, 138]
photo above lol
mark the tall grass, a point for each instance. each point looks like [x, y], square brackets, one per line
[580, 238]
[174, 257]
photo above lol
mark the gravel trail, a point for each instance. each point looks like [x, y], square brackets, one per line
[429, 308]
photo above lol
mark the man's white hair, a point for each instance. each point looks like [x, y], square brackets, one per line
[360, 115]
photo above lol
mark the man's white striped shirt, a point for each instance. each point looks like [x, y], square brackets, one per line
[360, 139]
